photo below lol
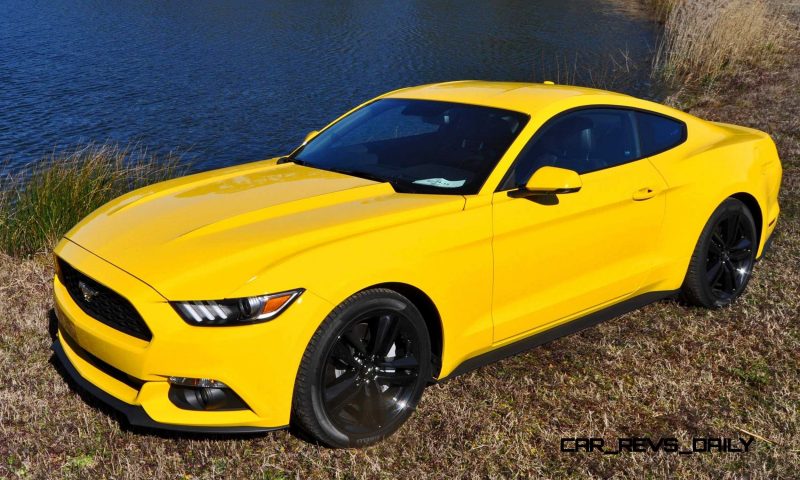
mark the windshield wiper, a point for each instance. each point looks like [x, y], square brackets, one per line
[343, 171]
[357, 173]
[290, 159]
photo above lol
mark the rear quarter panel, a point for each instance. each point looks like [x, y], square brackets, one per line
[716, 162]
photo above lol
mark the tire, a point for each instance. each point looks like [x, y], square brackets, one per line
[723, 259]
[363, 371]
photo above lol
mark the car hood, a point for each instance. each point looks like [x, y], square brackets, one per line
[205, 235]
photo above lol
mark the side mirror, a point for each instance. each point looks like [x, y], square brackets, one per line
[549, 181]
[310, 135]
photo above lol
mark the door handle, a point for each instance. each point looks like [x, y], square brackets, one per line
[644, 194]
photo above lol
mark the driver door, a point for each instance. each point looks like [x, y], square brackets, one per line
[560, 256]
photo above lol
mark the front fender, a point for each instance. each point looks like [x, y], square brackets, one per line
[446, 256]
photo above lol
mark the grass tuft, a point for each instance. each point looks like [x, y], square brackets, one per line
[40, 202]
[661, 8]
[705, 40]
[616, 72]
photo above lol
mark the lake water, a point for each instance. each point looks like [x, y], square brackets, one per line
[232, 81]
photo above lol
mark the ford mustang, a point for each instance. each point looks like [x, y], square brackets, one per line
[421, 235]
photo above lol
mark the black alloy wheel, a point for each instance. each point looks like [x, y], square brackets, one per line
[724, 257]
[364, 370]
[730, 256]
[371, 372]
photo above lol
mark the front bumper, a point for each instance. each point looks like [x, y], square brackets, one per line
[258, 362]
[136, 415]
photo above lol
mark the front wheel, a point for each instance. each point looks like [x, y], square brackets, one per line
[363, 371]
[723, 258]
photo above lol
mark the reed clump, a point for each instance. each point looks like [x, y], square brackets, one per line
[661, 8]
[43, 200]
[616, 73]
[704, 40]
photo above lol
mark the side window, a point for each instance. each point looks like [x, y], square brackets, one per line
[583, 140]
[657, 133]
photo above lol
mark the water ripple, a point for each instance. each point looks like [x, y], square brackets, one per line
[238, 81]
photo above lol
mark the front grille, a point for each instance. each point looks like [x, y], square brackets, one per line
[102, 303]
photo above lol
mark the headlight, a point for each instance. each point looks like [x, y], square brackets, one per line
[236, 311]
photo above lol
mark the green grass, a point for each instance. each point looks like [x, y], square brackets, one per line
[756, 374]
[40, 202]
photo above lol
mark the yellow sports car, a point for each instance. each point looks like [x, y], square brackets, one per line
[419, 236]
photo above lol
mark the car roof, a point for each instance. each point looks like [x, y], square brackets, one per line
[522, 97]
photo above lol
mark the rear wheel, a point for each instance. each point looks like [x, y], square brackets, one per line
[723, 258]
[364, 370]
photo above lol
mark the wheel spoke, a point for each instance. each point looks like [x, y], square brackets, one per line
[738, 278]
[714, 247]
[372, 406]
[396, 378]
[341, 391]
[355, 340]
[407, 362]
[743, 244]
[716, 238]
[343, 355]
[728, 278]
[732, 230]
[385, 334]
[739, 255]
[713, 273]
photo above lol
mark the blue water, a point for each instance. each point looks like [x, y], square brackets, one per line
[226, 82]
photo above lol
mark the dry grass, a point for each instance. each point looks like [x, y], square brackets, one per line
[661, 9]
[43, 200]
[704, 40]
[616, 73]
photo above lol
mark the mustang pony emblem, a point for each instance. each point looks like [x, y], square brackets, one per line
[88, 292]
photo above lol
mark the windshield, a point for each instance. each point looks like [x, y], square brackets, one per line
[418, 146]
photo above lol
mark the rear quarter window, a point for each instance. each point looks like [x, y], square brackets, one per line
[658, 133]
